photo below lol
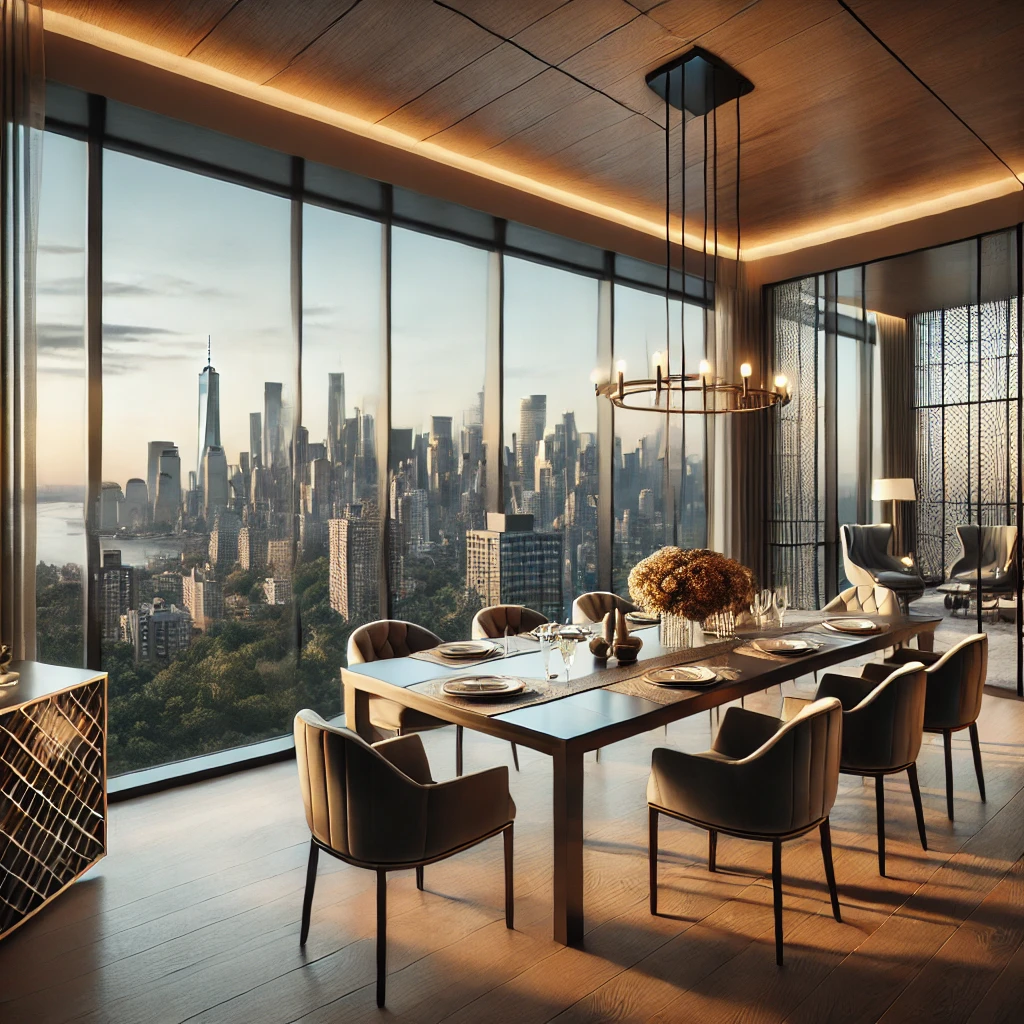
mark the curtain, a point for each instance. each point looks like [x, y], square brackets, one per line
[899, 426]
[21, 106]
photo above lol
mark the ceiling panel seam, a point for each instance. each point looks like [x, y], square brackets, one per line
[206, 35]
[327, 28]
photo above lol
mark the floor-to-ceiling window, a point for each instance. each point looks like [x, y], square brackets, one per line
[439, 457]
[550, 415]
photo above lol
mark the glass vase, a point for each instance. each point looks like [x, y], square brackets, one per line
[677, 631]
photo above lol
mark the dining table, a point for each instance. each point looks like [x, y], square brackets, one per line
[597, 703]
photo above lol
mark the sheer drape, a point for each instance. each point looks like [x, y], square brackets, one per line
[21, 108]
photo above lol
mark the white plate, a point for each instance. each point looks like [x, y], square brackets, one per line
[859, 626]
[468, 648]
[784, 645]
[682, 675]
[483, 686]
[577, 632]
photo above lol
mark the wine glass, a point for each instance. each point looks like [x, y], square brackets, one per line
[567, 648]
[760, 608]
[781, 601]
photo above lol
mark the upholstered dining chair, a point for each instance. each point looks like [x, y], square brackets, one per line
[762, 779]
[491, 623]
[595, 605]
[377, 807]
[868, 600]
[956, 683]
[867, 562]
[883, 725]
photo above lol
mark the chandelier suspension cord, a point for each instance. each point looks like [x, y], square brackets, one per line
[668, 287]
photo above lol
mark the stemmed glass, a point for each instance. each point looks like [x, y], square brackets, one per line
[546, 635]
[781, 602]
[567, 648]
[760, 608]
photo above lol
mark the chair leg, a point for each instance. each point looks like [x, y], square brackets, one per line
[777, 893]
[915, 792]
[652, 855]
[458, 749]
[712, 849]
[509, 891]
[830, 874]
[880, 815]
[307, 898]
[382, 934]
[419, 878]
[597, 755]
[947, 742]
[976, 750]
[515, 756]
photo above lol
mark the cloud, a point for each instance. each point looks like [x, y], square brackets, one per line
[63, 337]
[115, 333]
[61, 286]
[56, 249]
[162, 285]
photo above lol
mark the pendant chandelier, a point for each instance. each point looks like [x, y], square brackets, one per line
[697, 84]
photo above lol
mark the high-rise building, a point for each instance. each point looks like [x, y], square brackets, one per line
[110, 501]
[336, 417]
[280, 557]
[203, 597]
[273, 428]
[134, 512]
[209, 413]
[156, 449]
[276, 590]
[441, 465]
[252, 549]
[319, 503]
[215, 481]
[255, 440]
[114, 594]
[354, 548]
[158, 631]
[168, 488]
[223, 551]
[533, 414]
[510, 564]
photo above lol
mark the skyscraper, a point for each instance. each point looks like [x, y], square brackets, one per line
[209, 412]
[156, 449]
[110, 501]
[134, 512]
[114, 595]
[168, 488]
[273, 436]
[255, 440]
[533, 414]
[203, 596]
[335, 417]
[214, 481]
[157, 631]
[354, 564]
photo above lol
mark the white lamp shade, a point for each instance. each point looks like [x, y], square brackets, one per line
[896, 488]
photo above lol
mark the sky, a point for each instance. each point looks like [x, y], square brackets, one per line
[187, 256]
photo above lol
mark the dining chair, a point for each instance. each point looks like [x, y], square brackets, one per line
[492, 622]
[956, 684]
[867, 562]
[377, 807]
[595, 605]
[763, 779]
[868, 600]
[995, 547]
[883, 725]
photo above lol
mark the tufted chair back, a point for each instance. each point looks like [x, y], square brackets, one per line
[956, 683]
[490, 623]
[388, 638]
[594, 606]
[869, 600]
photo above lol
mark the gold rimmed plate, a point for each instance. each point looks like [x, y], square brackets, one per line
[468, 649]
[483, 687]
[785, 646]
[860, 627]
[682, 675]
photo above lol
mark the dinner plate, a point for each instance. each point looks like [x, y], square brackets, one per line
[468, 648]
[859, 626]
[784, 645]
[579, 632]
[641, 619]
[483, 686]
[682, 675]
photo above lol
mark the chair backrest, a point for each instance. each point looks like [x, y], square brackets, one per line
[956, 683]
[388, 638]
[865, 551]
[997, 544]
[886, 728]
[356, 801]
[490, 623]
[594, 606]
[872, 600]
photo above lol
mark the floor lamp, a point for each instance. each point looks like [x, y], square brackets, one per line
[894, 489]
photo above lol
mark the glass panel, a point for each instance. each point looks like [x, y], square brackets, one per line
[438, 452]
[337, 584]
[638, 471]
[550, 430]
[60, 403]
[196, 616]
[543, 243]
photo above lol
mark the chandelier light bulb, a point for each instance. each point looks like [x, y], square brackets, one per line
[598, 375]
[745, 370]
[781, 380]
[705, 368]
[620, 366]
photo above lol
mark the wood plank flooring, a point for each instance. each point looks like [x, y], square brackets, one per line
[194, 916]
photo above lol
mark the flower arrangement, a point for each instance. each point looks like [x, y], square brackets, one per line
[694, 583]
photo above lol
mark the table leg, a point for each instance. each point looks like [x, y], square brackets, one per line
[567, 806]
[926, 640]
[357, 712]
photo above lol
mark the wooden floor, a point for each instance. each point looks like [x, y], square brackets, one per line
[195, 914]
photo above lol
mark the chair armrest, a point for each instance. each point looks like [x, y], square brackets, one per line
[406, 753]
[467, 808]
[905, 655]
[877, 671]
[792, 706]
[848, 690]
[743, 731]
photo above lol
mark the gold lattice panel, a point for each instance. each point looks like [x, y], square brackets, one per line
[52, 796]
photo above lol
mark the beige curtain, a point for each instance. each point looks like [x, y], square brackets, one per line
[22, 85]
[899, 426]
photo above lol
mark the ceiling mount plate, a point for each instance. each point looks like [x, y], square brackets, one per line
[709, 82]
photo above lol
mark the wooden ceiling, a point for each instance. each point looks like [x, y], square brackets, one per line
[835, 131]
